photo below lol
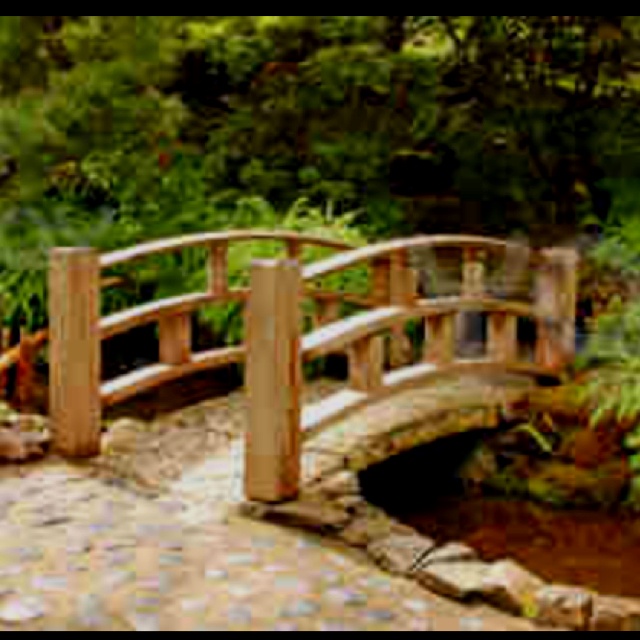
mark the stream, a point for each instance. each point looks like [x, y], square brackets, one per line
[592, 549]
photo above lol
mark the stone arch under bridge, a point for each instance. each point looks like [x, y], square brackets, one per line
[275, 347]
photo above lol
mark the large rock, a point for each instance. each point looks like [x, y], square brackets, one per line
[21, 447]
[312, 516]
[568, 484]
[454, 552]
[364, 531]
[458, 580]
[401, 555]
[508, 586]
[615, 614]
[480, 467]
[564, 607]
[345, 483]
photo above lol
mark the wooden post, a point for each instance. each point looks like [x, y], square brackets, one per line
[294, 250]
[503, 338]
[402, 293]
[556, 307]
[273, 382]
[473, 286]
[366, 364]
[326, 312]
[380, 284]
[473, 275]
[74, 312]
[25, 373]
[175, 339]
[440, 340]
[218, 269]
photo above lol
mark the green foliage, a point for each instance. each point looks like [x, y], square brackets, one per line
[545, 444]
[613, 390]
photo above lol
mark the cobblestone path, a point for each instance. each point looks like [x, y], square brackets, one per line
[83, 549]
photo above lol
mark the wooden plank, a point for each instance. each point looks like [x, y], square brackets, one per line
[74, 311]
[274, 382]
[172, 245]
[503, 337]
[219, 269]
[440, 340]
[332, 409]
[148, 378]
[323, 415]
[175, 339]
[366, 364]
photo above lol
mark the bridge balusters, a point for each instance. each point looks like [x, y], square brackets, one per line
[556, 307]
[219, 269]
[175, 339]
[473, 286]
[326, 312]
[503, 338]
[366, 364]
[294, 249]
[380, 282]
[473, 273]
[274, 382]
[403, 292]
[440, 340]
[74, 312]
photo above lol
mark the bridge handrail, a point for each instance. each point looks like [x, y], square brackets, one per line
[356, 257]
[172, 245]
[338, 336]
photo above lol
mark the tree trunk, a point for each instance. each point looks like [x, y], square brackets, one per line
[396, 33]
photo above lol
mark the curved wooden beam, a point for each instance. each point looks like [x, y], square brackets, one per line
[357, 257]
[124, 321]
[149, 378]
[10, 358]
[340, 335]
[172, 245]
[326, 413]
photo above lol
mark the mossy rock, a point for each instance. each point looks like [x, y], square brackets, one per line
[571, 486]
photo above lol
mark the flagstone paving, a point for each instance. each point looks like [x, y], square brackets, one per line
[93, 547]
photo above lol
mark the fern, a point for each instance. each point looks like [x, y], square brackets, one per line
[541, 440]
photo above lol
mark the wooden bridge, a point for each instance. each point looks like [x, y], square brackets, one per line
[276, 348]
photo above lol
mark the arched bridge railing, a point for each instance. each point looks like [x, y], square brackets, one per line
[275, 346]
[277, 349]
[77, 393]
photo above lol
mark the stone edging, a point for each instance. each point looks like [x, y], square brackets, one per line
[335, 508]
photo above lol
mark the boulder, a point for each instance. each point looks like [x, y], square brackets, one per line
[401, 555]
[21, 447]
[315, 517]
[481, 466]
[510, 587]
[615, 614]
[564, 607]
[568, 484]
[460, 580]
[341, 484]
[453, 552]
[364, 531]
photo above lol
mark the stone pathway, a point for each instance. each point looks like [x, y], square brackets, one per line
[89, 548]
